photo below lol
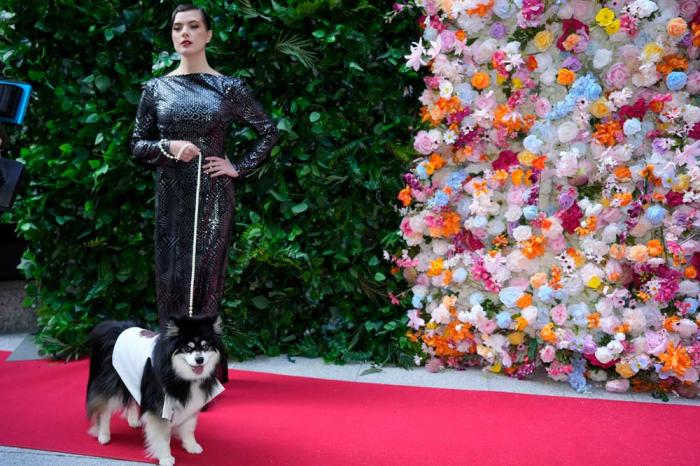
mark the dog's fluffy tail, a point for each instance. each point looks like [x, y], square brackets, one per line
[103, 381]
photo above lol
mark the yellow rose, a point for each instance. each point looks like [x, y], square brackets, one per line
[613, 27]
[516, 338]
[650, 50]
[594, 282]
[604, 17]
[543, 40]
[599, 108]
[624, 369]
[526, 157]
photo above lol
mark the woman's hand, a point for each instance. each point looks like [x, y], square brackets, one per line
[190, 151]
[218, 166]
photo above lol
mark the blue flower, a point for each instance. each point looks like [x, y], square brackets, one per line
[532, 143]
[421, 173]
[417, 301]
[545, 293]
[455, 179]
[459, 275]
[676, 80]
[503, 319]
[579, 312]
[439, 199]
[631, 126]
[530, 212]
[693, 305]
[476, 298]
[503, 9]
[576, 379]
[593, 91]
[655, 214]
[510, 295]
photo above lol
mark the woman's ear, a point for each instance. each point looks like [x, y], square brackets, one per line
[209, 35]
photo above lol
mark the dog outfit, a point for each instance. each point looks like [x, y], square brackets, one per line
[133, 348]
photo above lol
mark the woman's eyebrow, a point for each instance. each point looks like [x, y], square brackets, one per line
[191, 21]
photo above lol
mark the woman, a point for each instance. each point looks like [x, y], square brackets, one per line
[180, 116]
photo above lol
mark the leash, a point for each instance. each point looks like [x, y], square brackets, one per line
[194, 240]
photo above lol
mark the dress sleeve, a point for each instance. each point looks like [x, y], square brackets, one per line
[247, 110]
[144, 139]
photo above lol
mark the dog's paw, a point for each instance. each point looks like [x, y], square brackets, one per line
[192, 447]
[103, 439]
[92, 432]
[134, 423]
[167, 461]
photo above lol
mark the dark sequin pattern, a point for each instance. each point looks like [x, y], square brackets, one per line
[198, 108]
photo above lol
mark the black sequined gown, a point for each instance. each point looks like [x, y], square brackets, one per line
[199, 108]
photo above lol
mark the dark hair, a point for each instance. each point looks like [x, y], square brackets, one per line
[188, 7]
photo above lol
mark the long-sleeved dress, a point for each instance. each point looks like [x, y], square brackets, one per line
[195, 107]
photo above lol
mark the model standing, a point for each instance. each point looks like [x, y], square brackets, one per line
[180, 116]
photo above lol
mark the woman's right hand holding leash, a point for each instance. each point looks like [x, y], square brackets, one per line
[184, 151]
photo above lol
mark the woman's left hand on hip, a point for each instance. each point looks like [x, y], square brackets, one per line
[216, 166]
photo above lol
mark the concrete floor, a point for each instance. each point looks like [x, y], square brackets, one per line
[23, 348]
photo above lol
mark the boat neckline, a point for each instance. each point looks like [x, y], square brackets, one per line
[188, 74]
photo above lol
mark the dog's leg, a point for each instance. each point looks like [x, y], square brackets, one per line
[132, 414]
[187, 435]
[158, 438]
[103, 420]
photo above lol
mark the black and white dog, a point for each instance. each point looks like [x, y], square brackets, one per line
[170, 375]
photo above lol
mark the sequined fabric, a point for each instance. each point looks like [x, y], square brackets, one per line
[197, 108]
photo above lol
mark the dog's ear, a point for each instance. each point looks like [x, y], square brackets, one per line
[217, 325]
[172, 329]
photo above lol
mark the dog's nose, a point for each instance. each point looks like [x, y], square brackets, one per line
[199, 360]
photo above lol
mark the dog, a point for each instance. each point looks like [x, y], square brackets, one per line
[158, 380]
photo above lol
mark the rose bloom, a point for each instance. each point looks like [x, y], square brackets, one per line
[638, 253]
[538, 279]
[559, 314]
[542, 106]
[693, 84]
[676, 27]
[543, 40]
[599, 108]
[687, 8]
[547, 354]
[424, 143]
[656, 343]
[617, 76]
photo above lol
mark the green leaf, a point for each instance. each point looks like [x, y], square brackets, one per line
[260, 302]
[299, 208]
[102, 83]
[380, 277]
[314, 117]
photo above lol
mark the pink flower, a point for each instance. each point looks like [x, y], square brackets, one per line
[687, 8]
[693, 84]
[424, 143]
[656, 342]
[571, 218]
[447, 39]
[505, 160]
[542, 107]
[532, 9]
[617, 76]
[559, 314]
[547, 354]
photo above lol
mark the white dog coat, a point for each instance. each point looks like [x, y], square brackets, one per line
[131, 351]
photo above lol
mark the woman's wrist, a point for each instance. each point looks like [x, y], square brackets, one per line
[166, 150]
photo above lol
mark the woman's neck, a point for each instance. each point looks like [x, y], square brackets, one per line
[195, 64]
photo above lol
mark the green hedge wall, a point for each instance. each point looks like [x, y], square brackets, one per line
[306, 274]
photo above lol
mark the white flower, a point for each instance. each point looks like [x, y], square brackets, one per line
[567, 132]
[568, 164]
[603, 355]
[440, 315]
[415, 59]
[602, 58]
[513, 213]
[522, 233]
[446, 89]
[691, 114]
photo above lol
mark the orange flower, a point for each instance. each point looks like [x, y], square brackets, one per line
[571, 41]
[436, 161]
[624, 328]
[547, 333]
[521, 323]
[556, 278]
[405, 196]
[435, 267]
[607, 133]
[676, 27]
[500, 240]
[670, 323]
[461, 35]
[480, 80]
[524, 301]
[656, 106]
[533, 247]
[593, 320]
[565, 76]
[623, 199]
[539, 162]
[482, 9]
[675, 359]
[655, 248]
[622, 172]
[531, 63]
[446, 277]
[690, 272]
[695, 27]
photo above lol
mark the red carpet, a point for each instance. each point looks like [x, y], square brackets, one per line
[265, 419]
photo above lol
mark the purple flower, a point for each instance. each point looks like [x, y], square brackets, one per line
[498, 31]
[572, 63]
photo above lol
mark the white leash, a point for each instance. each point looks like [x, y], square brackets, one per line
[194, 240]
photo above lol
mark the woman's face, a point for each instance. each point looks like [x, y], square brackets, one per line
[189, 34]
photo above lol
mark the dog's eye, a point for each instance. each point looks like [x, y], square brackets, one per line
[205, 347]
[188, 349]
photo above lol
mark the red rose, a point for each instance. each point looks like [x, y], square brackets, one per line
[636, 110]
[570, 26]
[505, 160]
[571, 218]
[674, 199]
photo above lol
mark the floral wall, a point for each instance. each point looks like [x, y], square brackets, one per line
[551, 216]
